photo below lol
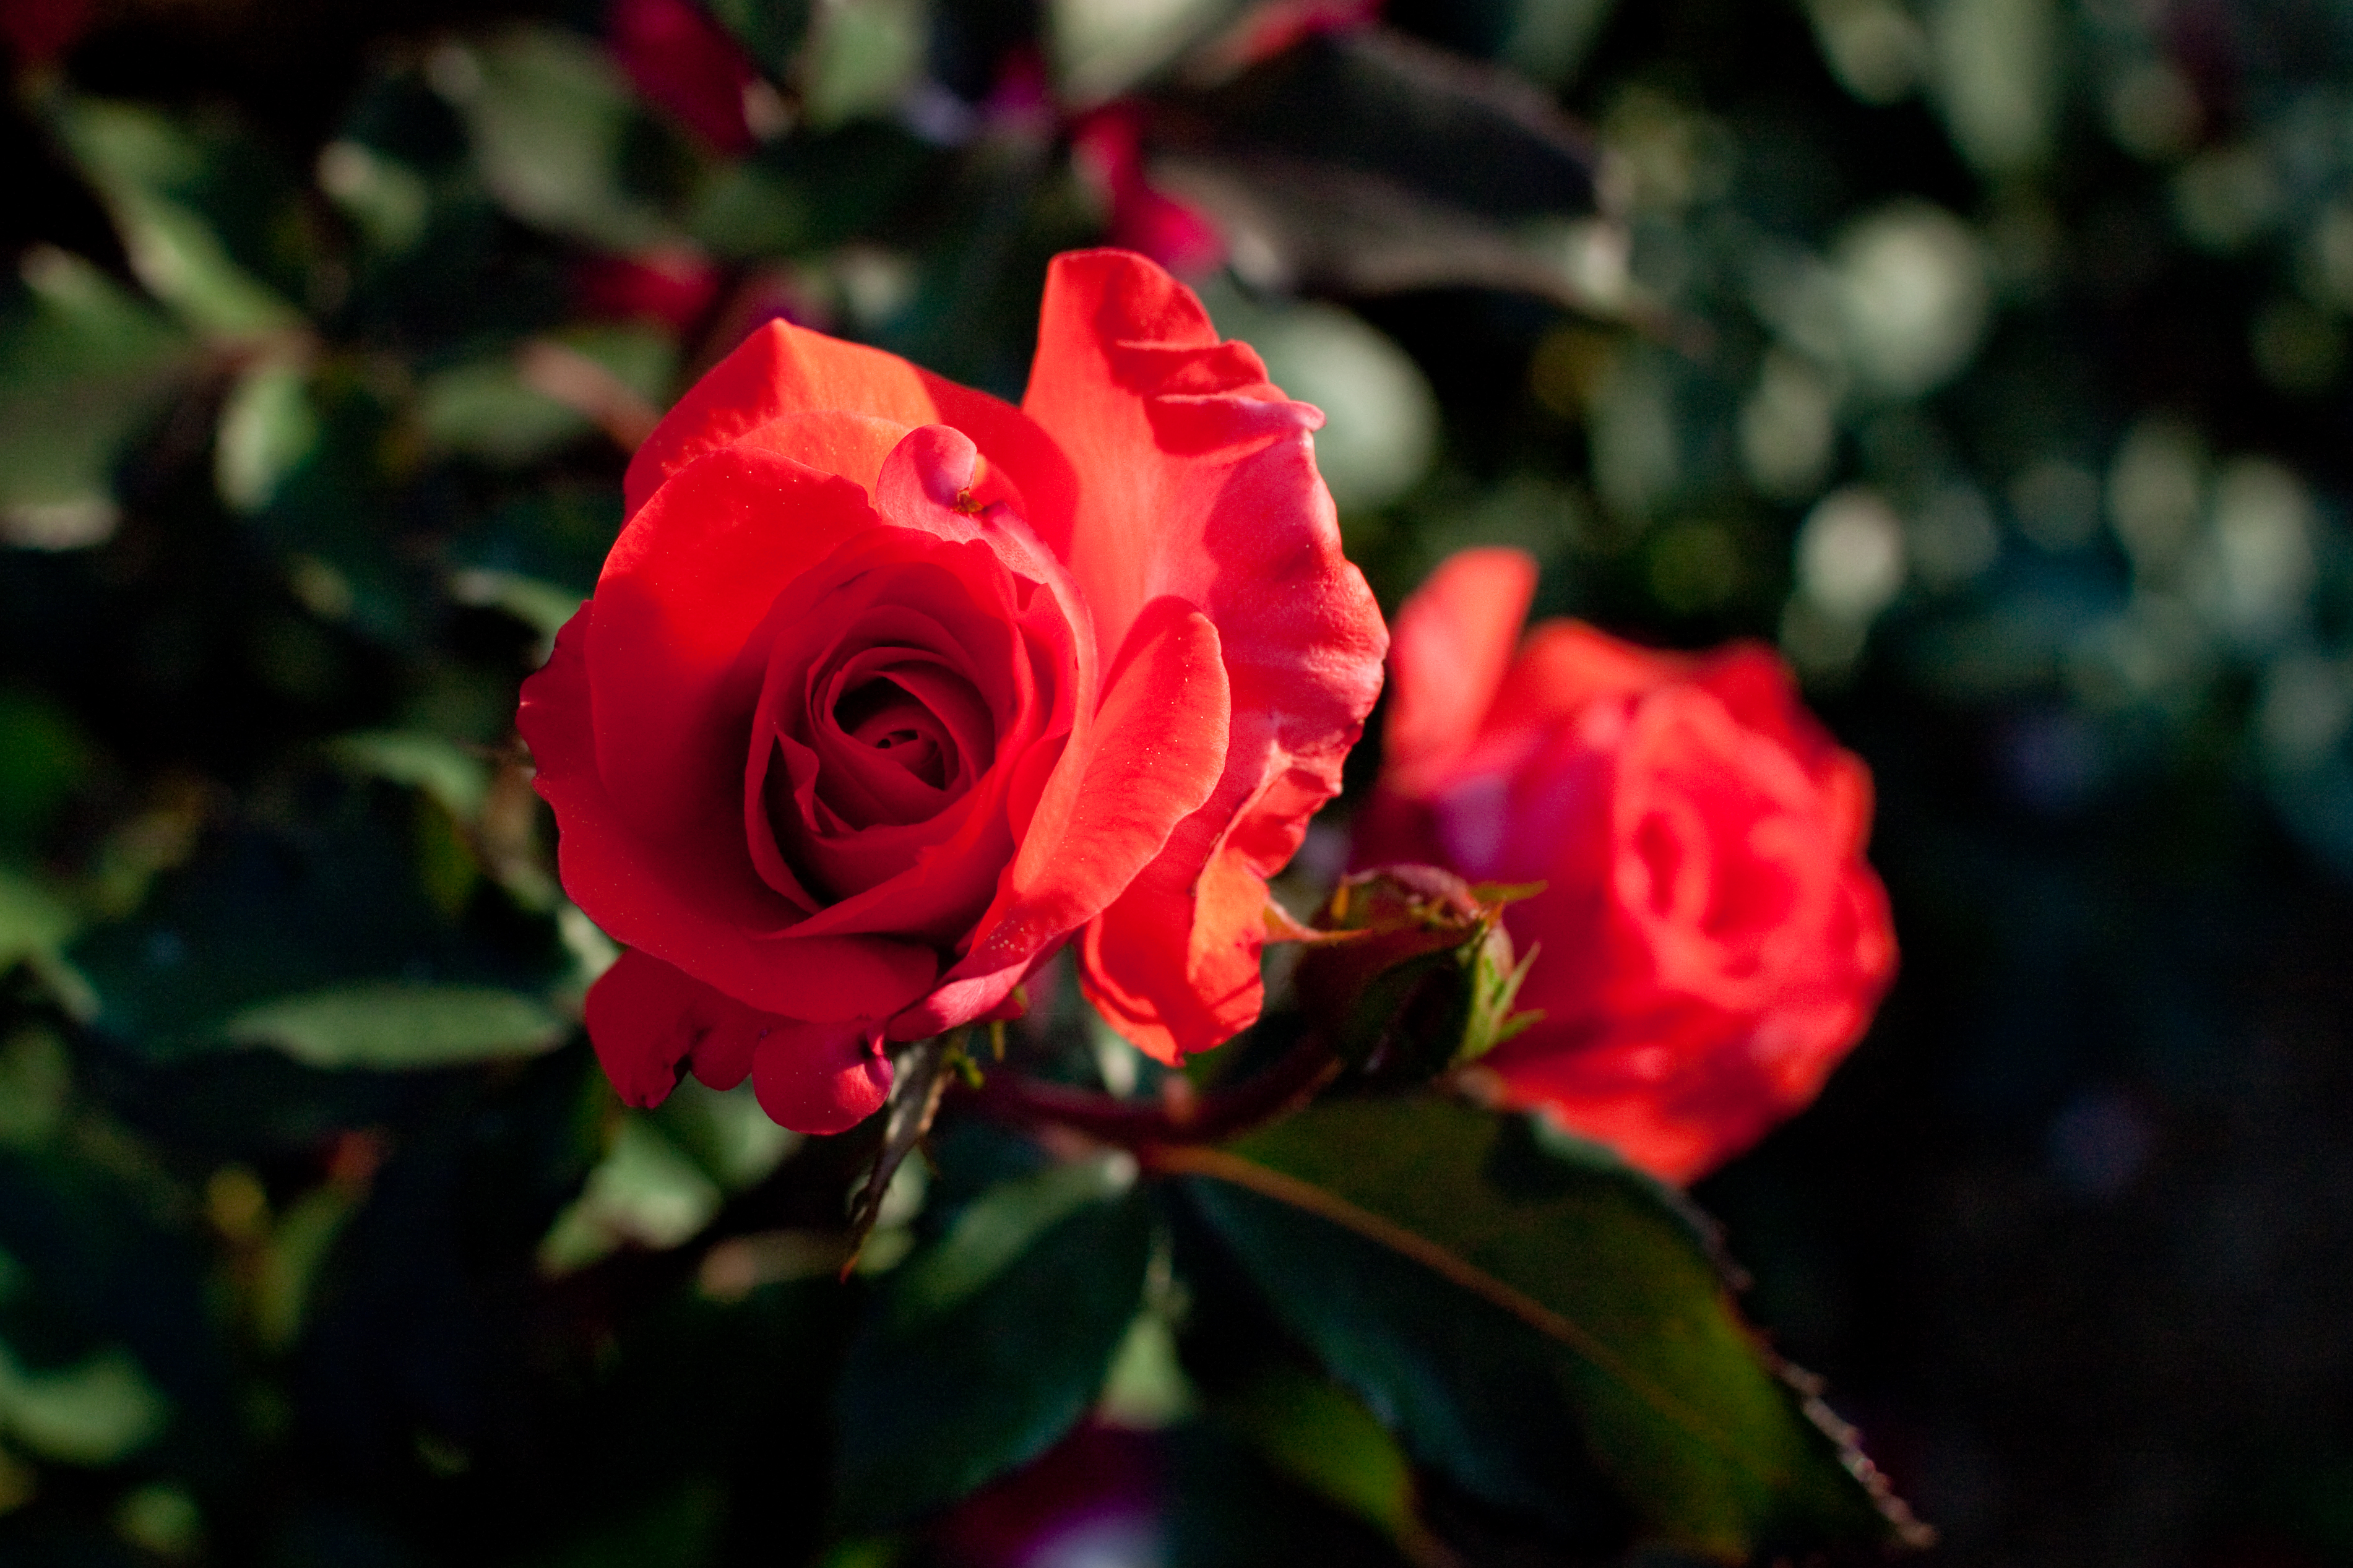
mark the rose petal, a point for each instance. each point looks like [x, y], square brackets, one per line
[1565, 668]
[821, 1078]
[1154, 755]
[1449, 648]
[782, 371]
[709, 917]
[643, 1018]
[1198, 482]
[691, 577]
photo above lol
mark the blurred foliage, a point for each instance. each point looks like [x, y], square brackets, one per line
[1989, 356]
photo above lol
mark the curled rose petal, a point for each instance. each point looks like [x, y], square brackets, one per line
[1196, 482]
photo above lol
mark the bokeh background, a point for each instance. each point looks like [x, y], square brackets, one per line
[1987, 356]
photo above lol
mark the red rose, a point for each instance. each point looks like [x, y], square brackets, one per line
[889, 689]
[1712, 940]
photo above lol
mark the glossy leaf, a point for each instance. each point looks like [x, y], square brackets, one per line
[1519, 1315]
[990, 1343]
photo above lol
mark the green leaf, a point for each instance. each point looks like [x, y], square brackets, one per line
[36, 924]
[496, 408]
[1518, 1315]
[144, 162]
[1102, 47]
[862, 56]
[267, 427]
[990, 1343]
[645, 1190]
[83, 366]
[96, 1412]
[1329, 1443]
[400, 1026]
[552, 118]
[446, 773]
[771, 31]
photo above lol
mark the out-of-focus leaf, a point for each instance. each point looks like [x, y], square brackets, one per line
[267, 427]
[36, 924]
[543, 606]
[97, 1411]
[34, 921]
[800, 195]
[389, 202]
[518, 408]
[987, 1345]
[35, 1081]
[1366, 163]
[44, 756]
[140, 160]
[83, 365]
[771, 31]
[451, 776]
[552, 117]
[1145, 1387]
[1524, 1317]
[725, 1133]
[645, 1190]
[298, 1245]
[1320, 1437]
[1102, 48]
[400, 1026]
[863, 56]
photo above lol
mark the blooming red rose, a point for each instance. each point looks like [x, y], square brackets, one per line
[1712, 940]
[889, 689]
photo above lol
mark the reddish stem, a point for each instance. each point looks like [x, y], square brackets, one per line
[1178, 1116]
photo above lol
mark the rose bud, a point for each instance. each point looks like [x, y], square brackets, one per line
[1418, 976]
[890, 689]
[1712, 940]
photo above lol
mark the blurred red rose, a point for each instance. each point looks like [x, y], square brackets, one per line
[1712, 940]
[1110, 150]
[683, 61]
[889, 689]
[674, 286]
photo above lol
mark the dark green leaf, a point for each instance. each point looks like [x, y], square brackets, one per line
[151, 169]
[553, 118]
[986, 1346]
[1518, 1315]
[771, 31]
[83, 365]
